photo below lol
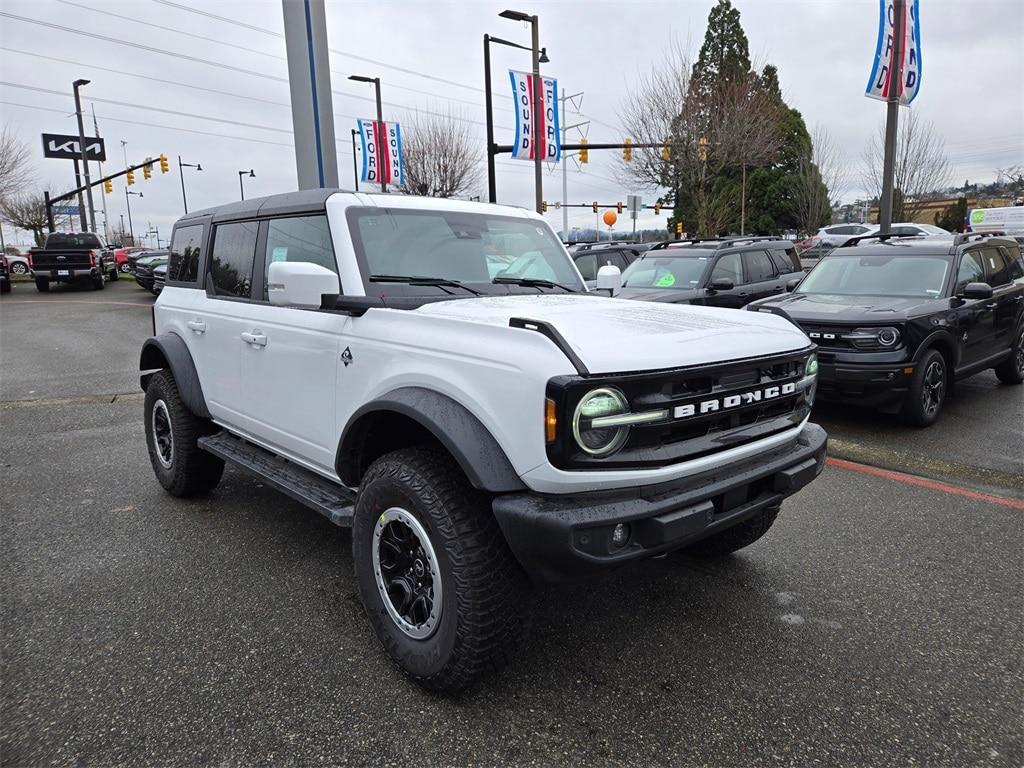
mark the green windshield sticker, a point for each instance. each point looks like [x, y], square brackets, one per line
[666, 281]
[279, 254]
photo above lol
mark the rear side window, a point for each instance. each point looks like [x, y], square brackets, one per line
[1015, 264]
[995, 267]
[784, 261]
[186, 247]
[758, 266]
[303, 238]
[234, 246]
[585, 264]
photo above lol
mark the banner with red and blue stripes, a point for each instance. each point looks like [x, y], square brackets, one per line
[888, 51]
[548, 144]
[382, 152]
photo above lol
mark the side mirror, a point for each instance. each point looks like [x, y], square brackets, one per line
[609, 278]
[977, 291]
[792, 284]
[299, 283]
[722, 284]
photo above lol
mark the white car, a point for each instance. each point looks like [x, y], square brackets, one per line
[835, 235]
[19, 264]
[434, 374]
[910, 228]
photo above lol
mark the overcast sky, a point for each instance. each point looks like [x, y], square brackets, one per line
[429, 57]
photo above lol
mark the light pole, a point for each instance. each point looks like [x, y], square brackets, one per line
[892, 114]
[241, 175]
[378, 133]
[540, 56]
[122, 229]
[128, 202]
[181, 173]
[355, 170]
[85, 160]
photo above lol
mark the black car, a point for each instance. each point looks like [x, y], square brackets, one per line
[898, 320]
[719, 273]
[589, 260]
[145, 265]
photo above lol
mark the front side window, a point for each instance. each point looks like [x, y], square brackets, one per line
[666, 271]
[303, 238]
[480, 249]
[234, 246]
[729, 267]
[971, 271]
[877, 275]
[186, 245]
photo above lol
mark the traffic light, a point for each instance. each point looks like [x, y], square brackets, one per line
[108, 186]
[618, 207]
[657, 209]
[679, 228]
[131, 178]
[164, 168]
[543, 206]
[627, 152]
[594, 206]
[666, 150]
[584, 152]
[702, 149]
[147, 171]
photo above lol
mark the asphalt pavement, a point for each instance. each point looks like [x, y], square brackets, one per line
[880, 622]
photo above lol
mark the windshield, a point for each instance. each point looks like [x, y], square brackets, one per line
[882, 275]
[667, 271]
[458, 247]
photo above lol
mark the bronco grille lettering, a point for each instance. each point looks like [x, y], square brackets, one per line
[733, 401]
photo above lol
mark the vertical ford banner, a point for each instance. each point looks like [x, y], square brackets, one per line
[382, 160]
[527, 111]
[880, 86]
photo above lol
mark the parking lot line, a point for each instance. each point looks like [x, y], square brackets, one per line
[925, 483]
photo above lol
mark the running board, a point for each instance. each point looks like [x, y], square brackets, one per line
[331, 500]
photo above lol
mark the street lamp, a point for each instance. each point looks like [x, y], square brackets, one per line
[85, 159]
[379, 130]
[128, 202]
[181, 165]
[355, 169]
[241, 175]
[539, 56]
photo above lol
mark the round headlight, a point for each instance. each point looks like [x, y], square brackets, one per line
[888, 337]
[811, 369]
[597, 440]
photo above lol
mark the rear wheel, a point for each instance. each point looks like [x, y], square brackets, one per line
[114, 275]
[437, 580]
[42, 284]
[181, 466]
[737, 537]
[1011, 370]
[927, 393]
[19, 268]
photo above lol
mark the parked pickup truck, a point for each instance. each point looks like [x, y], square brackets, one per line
[66, 258]
[435, 375]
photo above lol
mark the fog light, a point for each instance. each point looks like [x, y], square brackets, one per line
[620, 535]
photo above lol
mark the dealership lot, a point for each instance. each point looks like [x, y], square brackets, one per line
[878, 623]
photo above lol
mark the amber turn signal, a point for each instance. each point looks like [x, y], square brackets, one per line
[550, 420]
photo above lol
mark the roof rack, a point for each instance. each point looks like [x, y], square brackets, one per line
[720, 242]
[877, 236]
[965, 237]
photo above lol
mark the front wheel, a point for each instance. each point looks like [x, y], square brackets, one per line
[438, 582]
[19, 268]
[124, 268]
[99, 282]
[1011, 370]
[172, 431]
[927, 391]
[114, 275]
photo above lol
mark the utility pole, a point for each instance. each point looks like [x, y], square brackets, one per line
[355, 168]
[492, 193]
[81, 146]
[81, 202]
[103, 192]
[538, 106]
[892, 114]
[565, 158]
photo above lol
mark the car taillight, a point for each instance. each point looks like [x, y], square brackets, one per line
[92, 258]
[30, 264]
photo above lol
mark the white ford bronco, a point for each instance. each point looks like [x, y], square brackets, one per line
[434, 374]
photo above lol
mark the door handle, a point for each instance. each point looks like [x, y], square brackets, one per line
[992, 305]
[197, 325]
[778, 289]
[256, 339]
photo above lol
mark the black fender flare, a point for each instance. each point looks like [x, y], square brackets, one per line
[168, 350]
[461, 433]
[944, 336]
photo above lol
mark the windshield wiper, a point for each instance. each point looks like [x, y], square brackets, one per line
[439, 282]
[532, 282]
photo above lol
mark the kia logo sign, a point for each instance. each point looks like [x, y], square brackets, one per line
[66, 147]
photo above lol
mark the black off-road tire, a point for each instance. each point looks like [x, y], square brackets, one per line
[924, 402]
[191, 471]
[100, 282]
[114, 274]
[42, 284]
[739, 536]
[5, 286]
[1011, 370]
[483, 587]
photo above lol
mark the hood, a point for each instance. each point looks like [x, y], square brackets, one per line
[615, 335]
[855, 309]
[667, 295]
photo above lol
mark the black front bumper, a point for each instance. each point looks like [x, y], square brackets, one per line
[557, 537]
[870, 385]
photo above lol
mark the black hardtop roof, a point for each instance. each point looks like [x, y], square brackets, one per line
[723, 243]
[272, 205]
[935, 246]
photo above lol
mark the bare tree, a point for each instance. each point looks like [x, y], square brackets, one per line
[14, 163]
[441, 156]
[818, 183]
[921, 168]
[27, 211]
